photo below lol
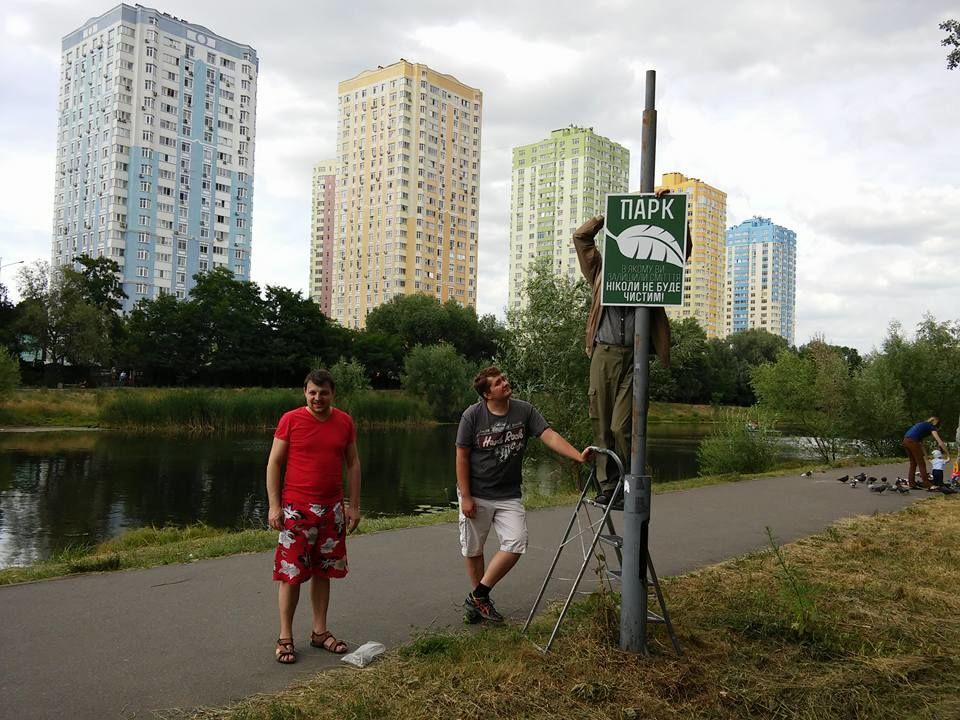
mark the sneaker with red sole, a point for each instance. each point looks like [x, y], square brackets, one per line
[483, 606]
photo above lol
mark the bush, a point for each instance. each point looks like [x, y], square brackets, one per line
[9, 372]
[442, 377]
[350, 377]
[743, 442]
[543, 354]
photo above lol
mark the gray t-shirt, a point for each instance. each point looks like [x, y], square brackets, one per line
[496, 444]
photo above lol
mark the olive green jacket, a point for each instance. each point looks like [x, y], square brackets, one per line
[591, 264]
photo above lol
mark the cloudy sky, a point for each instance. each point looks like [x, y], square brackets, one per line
[830, 117]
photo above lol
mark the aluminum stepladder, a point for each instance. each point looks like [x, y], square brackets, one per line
[594, 529]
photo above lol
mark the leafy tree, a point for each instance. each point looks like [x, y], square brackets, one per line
[382, 355]
[9, 337]
[686, 379]
[751, 348]
[928, 368]
[33, 312]
[850, 356]
[98, 282]
[722, 371]
[442, 377]
[162, 341]
[58, 320]
[543, 353]
[294, 332]
[420, 319]
[476, 338]
[98, 287]
[813, 390]
[416, 319]
[878, 412]
[952, 28]
[231, 340]
[350, 377]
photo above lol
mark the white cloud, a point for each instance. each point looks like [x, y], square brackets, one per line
[520, 60]
[17, 26]
[833, 119]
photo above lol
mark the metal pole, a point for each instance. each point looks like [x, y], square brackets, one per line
[636, 499]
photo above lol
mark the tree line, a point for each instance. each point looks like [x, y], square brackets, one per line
[230, 332]
[227, 332]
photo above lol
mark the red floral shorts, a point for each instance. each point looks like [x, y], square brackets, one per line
[312, 543]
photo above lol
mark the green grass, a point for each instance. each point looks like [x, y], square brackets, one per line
[663, 412]
[387, 407]
[873, 635]
[194, 409]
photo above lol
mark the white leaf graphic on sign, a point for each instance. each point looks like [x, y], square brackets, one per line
[649, 242]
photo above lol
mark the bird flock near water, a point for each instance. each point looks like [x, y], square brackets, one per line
[881, 485]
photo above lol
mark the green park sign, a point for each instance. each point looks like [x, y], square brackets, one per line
[644, 250]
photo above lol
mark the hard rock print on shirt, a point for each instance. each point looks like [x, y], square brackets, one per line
[505, 440]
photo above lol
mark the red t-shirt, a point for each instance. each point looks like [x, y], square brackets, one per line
[315, 455]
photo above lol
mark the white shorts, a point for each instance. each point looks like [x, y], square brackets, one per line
[508, 518]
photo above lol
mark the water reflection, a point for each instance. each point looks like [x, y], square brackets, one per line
[62, 489]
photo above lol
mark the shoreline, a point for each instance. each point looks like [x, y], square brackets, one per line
[151, 546]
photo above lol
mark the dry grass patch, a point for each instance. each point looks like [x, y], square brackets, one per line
[49, 407]
[862, 621]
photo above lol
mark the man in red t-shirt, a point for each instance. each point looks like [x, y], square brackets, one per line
[314, 442]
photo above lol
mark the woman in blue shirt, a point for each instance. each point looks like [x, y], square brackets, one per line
[913, 444]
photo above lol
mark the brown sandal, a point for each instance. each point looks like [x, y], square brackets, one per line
[326, 641]
[286, 654]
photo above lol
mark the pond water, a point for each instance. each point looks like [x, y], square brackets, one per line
[62, 489]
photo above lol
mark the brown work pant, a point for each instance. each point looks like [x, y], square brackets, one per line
[611, 407]
[915, 453]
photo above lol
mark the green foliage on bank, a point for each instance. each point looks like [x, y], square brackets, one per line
[543, 352]
[872, 401]
[9, 372]
[205, 410]
[197, 410]
[442, 377]
[744, 442]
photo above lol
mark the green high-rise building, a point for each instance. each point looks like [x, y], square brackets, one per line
[558, 183]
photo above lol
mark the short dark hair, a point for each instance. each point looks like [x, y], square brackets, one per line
[320, 377]
[481, 383]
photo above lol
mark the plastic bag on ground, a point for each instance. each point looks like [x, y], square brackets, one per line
[364, 655]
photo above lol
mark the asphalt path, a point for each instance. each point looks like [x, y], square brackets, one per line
[139, 643]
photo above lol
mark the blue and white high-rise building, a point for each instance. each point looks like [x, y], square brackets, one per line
[155, 150]
[761, 278]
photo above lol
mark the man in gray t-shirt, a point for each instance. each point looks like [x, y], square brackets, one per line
[491, 440]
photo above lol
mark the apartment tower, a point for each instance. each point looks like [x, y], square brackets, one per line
[704, 280]
[761, 278]
[557, 183]
[408, 189]
[155, 146]
[321, 233]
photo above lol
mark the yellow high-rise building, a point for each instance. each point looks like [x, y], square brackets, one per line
[408, 189]
[704, 283]
[321, 233]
